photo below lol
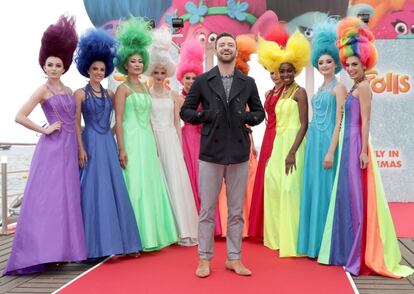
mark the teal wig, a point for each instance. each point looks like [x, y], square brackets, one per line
[134, 37]
[324, 42]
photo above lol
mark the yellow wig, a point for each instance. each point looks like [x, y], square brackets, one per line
[296, 52]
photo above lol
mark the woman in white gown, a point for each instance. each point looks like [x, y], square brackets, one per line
[167, 129]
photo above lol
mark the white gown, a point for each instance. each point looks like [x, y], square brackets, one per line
[175, 170]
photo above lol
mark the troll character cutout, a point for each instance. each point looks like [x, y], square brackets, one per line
[392, 19]
[205, 19]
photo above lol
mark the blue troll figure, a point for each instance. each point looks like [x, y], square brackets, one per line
[302, 15]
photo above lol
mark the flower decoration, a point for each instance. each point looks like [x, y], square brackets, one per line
[196, 13]
[237, 10]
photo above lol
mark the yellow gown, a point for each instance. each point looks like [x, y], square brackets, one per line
[282, 192]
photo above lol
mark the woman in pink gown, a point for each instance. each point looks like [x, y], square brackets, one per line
[189, 67]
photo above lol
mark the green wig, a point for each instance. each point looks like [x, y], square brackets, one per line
[134, 37]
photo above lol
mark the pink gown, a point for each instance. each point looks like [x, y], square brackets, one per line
[191, 148]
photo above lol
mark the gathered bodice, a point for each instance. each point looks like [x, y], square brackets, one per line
[287, 112]
[352, 111]
[324, 107]
[138, 109]
[61, 107]
[269, 106]
[162, 114]
[97, 111]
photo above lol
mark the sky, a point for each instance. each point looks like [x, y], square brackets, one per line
[21, 73]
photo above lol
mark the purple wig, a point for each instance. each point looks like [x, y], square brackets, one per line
[96, 45]
[59, 40]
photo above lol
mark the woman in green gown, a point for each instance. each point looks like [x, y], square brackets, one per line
[136, 143]
[284, 170]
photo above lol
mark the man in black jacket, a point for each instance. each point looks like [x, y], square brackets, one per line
[223, 93]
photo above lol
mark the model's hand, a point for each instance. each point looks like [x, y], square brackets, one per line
[363, 160]
[328, 161]
[290, 163]
[123, 159]
[53, 127]
[83, 158]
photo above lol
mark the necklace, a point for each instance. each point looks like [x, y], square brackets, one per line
[100, 108]
[156, 94]
[96, 91]
[323, 104]
[357, 82]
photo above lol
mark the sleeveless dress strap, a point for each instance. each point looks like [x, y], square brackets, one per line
[126, 85]
[143, 88]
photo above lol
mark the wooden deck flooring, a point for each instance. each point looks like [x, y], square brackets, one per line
[56, 276]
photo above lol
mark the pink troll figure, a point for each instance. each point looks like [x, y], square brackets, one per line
[205, 19]
[392, 19]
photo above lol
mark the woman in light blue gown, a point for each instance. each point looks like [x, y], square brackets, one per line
[320, 158]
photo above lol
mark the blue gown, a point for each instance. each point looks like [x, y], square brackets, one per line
[110, 225]
[317, 181]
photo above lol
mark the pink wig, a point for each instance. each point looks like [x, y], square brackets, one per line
[355, 39]
[59, 40]
[191, 59]
[246, 45]
[278, 34]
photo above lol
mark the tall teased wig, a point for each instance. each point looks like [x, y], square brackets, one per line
[355, 39]
[324, 42]
[278, 34]
[159, 52]
[59, 40]
[96, 45]
[296, 52]
[246, 45]
[134, 37]
[191, 59]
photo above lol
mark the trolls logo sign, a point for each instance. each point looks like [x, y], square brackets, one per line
[392, 82]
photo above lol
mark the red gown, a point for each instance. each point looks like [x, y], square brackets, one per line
[256, 208]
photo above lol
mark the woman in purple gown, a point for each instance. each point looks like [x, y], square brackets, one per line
[50, 226]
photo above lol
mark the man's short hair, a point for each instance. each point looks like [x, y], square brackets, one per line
[222, 35]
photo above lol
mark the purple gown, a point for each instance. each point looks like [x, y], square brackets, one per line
[50, 226]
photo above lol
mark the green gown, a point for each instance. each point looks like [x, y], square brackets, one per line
[144, 177]
[283, 192]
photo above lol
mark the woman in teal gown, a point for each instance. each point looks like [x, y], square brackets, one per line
[320, 159]
[136, 143]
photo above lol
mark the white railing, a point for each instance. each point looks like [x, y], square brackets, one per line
[6, 210]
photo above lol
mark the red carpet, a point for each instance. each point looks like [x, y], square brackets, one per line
[171, 270]
[403, 216]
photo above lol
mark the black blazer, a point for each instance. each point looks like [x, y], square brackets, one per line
[224, 136]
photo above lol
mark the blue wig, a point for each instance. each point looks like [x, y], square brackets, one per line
[96, 45]
[324, 42]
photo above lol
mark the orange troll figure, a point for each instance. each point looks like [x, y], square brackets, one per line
[392, 19]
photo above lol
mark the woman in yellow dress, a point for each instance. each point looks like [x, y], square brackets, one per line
[284, 170]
